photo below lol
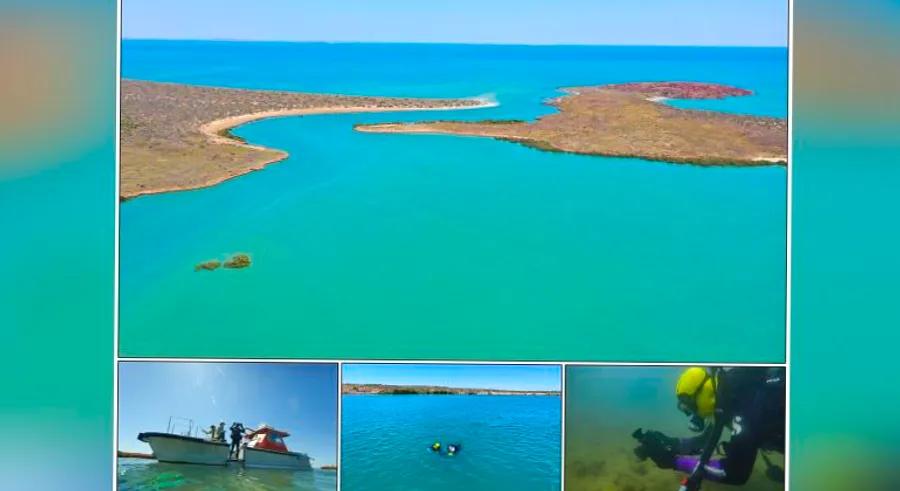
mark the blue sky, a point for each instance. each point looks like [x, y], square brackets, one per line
[508, 377]
[645, 22]
[300, 399]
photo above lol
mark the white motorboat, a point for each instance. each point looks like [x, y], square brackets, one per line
[182, 449]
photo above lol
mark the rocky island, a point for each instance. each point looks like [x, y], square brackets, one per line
[176, 137]
[381, 389]
[632, 120]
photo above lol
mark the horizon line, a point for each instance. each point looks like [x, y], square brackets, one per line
[463, 43]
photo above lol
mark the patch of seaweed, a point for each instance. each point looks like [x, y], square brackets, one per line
[639, 468]
[592, 468]
[208, 265]
[238, 261]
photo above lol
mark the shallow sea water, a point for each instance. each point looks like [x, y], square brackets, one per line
[508, 442]
[146, 475]
[453, 247]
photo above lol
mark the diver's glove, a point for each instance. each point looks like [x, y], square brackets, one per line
[657, 447]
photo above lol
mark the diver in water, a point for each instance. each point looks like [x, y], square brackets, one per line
[749, 401]
[452, 448]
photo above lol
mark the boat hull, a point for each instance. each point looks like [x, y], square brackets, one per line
[270, 459]
[177, 449]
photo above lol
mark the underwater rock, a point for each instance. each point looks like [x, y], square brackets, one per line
[208, 265]
[238, 261]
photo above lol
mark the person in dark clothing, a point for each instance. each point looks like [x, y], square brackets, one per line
[237, 434]
[749, 401]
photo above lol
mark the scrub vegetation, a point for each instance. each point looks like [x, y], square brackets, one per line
[632, 120]
[177, 137]
[381, 389]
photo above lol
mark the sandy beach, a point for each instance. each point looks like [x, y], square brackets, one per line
[177, 137]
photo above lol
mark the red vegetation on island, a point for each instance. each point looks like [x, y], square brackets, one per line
[680, 90]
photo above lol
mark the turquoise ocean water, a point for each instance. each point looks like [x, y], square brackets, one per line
[604, 405]
[453, 247]
[146, 475]
[59, 304]
[508, 442]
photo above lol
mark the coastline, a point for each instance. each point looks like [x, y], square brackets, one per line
[632, 121]
[199, 138]
[435, 390]
[216, 131]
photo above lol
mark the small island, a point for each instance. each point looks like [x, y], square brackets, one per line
[177, 137]
[632, 120]
[382, 389]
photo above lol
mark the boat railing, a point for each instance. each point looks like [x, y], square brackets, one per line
[181, 426]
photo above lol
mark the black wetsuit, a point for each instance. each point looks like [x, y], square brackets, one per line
[237, 433]
[752, 402]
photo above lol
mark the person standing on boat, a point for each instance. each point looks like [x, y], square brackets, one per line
[237, 434]
[211, 432]
[220, 432]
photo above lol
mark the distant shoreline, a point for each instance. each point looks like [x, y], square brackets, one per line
[386, 389]
[123, 454]
[176, 137]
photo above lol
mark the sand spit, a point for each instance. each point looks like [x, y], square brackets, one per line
[630, 120]
[176, 137]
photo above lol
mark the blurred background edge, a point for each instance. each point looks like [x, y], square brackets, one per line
[58, 125]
